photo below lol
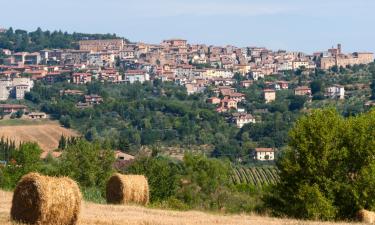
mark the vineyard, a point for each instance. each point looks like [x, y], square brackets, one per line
[258, 176]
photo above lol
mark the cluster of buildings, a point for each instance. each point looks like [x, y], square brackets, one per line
[194, 66]
[15, 87]
[335, 57]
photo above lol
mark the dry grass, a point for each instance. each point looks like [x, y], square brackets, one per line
[46, 135]
[46, 200]
[94, 214]
[124, 189]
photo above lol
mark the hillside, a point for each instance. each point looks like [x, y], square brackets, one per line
[46, 133]
[94, 214]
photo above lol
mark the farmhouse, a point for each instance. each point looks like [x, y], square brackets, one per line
[93, 99]
[10, 108]
[264, 154]
[304, 90]
[269, 95]
[240, 119]
[37, 115]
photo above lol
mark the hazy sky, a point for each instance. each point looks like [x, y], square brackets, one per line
[306, 25]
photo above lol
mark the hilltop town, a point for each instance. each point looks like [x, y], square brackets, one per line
[218, 128]
[194, 66]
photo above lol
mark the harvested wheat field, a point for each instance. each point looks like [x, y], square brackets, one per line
[47, 134]
[94, 214]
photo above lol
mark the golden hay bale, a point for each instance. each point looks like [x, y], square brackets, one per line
[123, 189]
[46, 200]
[366, 216]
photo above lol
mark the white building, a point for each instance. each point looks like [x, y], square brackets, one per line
[4, 90]
[264, 154]
[20, 91]
[17, 87]
[256, 74]
[336, 91]
[132, 76]
[241, 119]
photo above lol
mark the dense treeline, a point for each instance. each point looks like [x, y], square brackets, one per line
[21, 40]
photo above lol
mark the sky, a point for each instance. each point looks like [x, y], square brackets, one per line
[295, 25]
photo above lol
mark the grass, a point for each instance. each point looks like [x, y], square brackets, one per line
[24, 122]
[93, 195]
[100, 214]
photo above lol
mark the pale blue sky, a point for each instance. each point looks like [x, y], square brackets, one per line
[306, 25]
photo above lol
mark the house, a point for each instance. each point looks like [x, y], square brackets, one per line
[110, 76]
[214, 100]
[81, 78]
[20, 91]
[4, 89]
[240, 119]
[227, 104]
[336, 91]
[132, 76]
[256, 74]
[264, 154]
[224, 90]
[238, 97]
[122, 160]
[93, 99]
[71, 92]
[10, 108]
[283, 85]
[119, 155]
[193, 88]
[246, 83]
[269, 95]
[36, 115]
[303, 90]
[83, 105]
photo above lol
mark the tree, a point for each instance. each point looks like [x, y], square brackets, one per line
[297, 102]
[62, 142]
[19, 113]
[23, 160]
[327, 171]
[163, 176]
[373, 90]
[316, 86]
[87, 163]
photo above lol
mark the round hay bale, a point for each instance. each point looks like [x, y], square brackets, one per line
[366, 216]
[124, 189]
[46, 200]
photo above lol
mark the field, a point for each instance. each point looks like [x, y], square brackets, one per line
[257, 176]
[94, 214]
[46, 133]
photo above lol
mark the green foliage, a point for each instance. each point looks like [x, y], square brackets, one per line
[316, 86]
[197, 182]
[315, 206]
[163, 176]
[20, 40]
[87, 163]
[93, 194]
[256, 176]
[327, 171]
[24, 159]
[297, 102]
[372, 86]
